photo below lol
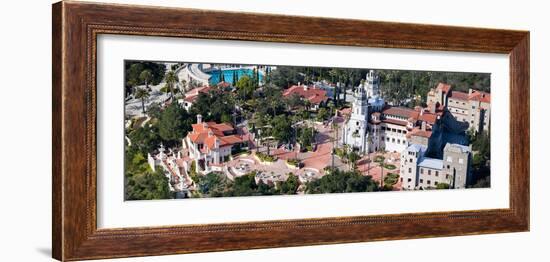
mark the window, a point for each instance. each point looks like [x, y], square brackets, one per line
[401, 180]
[436, 173]
[409, 180]
[448, 167]
[421, 170]
[393, 140]
[410, 171]
[435, 183]
[429, 182]
[429, 172]
[421, 180]
[410, 160]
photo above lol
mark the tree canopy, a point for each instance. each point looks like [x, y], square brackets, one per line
[338, 181]
[217, 106]
[142, 183]
[174, 124]
[134, 69]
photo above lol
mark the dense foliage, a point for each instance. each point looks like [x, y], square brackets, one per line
[174, 123]
[216, 105]
[399, 85]
[217, 185]
[141, 182]
[338, 181]
[481, 164]
[134, 74]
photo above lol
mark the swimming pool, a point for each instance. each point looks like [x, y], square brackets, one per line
[229, 73]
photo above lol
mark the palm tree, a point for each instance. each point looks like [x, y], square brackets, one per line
[353, 157]
[183, 88]
[146, 76]
[369, 142]
[142, 93]
[171, 79]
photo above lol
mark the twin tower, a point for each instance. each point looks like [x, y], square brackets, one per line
[366, 98]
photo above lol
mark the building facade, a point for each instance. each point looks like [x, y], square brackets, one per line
[421, 172]
[473, 107]
[355, 131]
[375, 126]
[210, 144]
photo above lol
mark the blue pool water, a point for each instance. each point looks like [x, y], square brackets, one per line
[229, 73]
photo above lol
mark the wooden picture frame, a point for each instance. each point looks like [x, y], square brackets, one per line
[76, 26]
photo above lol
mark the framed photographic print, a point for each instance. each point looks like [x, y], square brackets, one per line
[180, 130]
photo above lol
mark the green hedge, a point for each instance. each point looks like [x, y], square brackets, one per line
[391, 179]
[265, 157]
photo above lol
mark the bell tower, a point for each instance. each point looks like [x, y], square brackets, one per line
[372, 83]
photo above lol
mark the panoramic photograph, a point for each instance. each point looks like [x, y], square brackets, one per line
[200, 130]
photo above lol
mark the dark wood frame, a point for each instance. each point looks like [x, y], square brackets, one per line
[75, 29]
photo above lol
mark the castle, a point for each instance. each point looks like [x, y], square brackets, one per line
[374, 126]
[432, 141]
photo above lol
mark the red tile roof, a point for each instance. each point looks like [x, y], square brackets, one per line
[418, 132]
[190, 98]
[428, 117]
[459, 95]
[197, 137]
[400, 111]
[312, 94]
[475, 96]
[480, 96]
[223, 84]
[224, 127]
[232, 139]
[209, 132]
[197, 90]
[395, 122]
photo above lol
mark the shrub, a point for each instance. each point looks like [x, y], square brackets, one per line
[295, 162]
[265, 157]
[391, 179]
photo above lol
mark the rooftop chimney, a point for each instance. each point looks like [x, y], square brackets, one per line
[199, 118]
